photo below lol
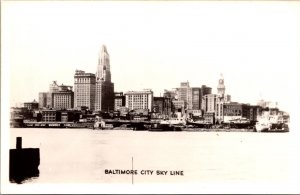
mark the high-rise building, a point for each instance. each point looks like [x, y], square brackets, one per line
[205, 90]
[84, 89]
[53, 87]
[119, 100]
[185, 94]
[170, 94]
[162, 105]
[43, 99]
[63, 98]
[209, 102]
[192, 96]
[196, 98]
[139, 100]
[104, 100]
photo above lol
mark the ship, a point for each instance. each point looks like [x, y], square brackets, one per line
[271, 123]
[173, 124]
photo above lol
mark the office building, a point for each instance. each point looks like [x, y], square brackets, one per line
[104, 100]
[63, 98]
[162, 105]
[139, 100]
[43, 99]
[84, 90]
[209, 103]
[119, 100]
[31, 105]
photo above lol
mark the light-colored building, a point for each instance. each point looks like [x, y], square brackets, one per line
[139, 99]
[192, 96]
[185, 94]
[104, 100]
[84, 89]
[209, 103]
[222, 98]
[63, 98]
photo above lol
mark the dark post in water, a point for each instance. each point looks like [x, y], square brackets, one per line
[23, 162]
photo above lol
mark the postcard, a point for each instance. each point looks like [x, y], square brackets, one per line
[150, 97]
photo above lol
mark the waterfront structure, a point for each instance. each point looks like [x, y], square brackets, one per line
[31, 105]
[63, 98]
[43, 99]
[162, 105]
[49, 115]
[139, 99]
[209, 117]
[84, 89]
[119, 100]
[235, 110]
[104, 100]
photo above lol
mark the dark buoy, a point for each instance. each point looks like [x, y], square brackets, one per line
[23, 162]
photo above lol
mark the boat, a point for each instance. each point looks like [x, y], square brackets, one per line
[173, 124]
[271, 123]
[199, 124]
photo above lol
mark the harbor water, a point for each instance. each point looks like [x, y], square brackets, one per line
[93, 156]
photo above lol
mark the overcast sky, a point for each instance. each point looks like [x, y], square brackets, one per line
[256, 45]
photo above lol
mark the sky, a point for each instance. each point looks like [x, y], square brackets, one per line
[157, 45]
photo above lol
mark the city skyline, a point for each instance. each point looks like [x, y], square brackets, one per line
[259, 52]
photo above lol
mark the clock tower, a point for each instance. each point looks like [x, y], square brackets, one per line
[221, 86]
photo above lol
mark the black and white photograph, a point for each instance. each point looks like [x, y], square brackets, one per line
[150, 97]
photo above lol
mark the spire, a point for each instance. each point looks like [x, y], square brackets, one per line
[103, 69]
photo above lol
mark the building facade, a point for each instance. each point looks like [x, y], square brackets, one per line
[84, 89]
[63, 98]
[119, 100]
[209, 103]
[221, 99]
[162, 105]
[192, 96]
[49, 115]
[185, 94]
[139, 100]
[43, 99]
[31, 105]
[196, 98]
[104, 100]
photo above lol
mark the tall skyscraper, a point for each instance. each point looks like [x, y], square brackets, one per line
[104, 87]
[84, 89]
